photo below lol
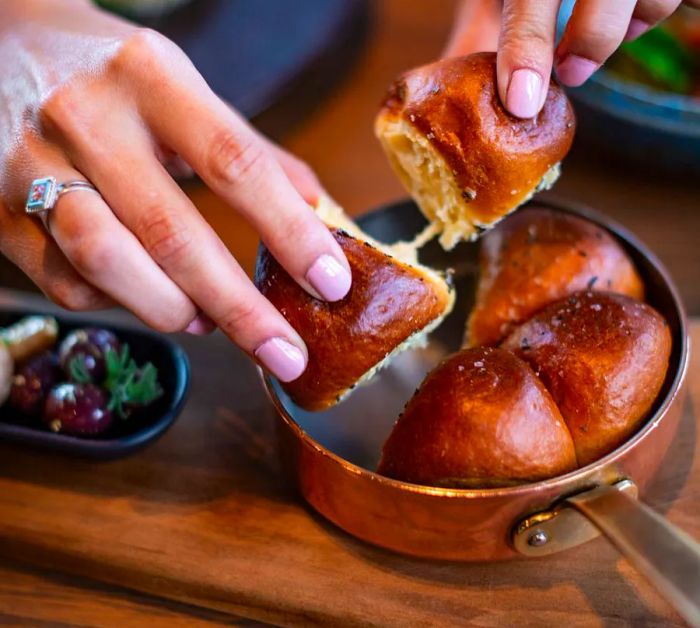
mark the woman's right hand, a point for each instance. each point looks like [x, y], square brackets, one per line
[87, 96]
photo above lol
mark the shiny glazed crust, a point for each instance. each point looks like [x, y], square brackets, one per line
[603, 357]
[463, 158]
[390, 305]
[480, 419]
[538, 256]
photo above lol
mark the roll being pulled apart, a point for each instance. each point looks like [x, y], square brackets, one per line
[394, 302]
[466, 161]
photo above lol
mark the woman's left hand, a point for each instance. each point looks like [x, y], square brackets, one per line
[526, 40]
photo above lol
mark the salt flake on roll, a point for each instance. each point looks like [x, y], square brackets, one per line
[463, 158]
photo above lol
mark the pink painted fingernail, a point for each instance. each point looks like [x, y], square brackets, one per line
[574, 70]
[524, 93]
[201, 325]
[285, 361]
[636, 28]
[329, 278]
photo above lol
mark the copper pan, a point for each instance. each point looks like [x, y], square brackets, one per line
[332, 454]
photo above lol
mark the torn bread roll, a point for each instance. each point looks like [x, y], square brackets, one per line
[465, 161]
[392, 305]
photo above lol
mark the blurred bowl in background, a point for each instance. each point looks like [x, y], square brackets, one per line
[637, 123]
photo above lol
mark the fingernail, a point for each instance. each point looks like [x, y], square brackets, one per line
[524, 93]
[636, 28]
[201, 325]
[285, 361]
[330, 279]
[574, 70]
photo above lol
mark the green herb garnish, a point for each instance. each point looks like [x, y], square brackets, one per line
[128, 384]
[659, 59]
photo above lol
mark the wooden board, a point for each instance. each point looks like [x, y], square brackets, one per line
[72, 601]
[205, 517]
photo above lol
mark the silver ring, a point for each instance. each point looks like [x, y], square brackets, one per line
[44, 193]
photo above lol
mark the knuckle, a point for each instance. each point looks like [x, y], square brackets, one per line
[166, 238]
[241, 316]
[527, 40]
[523, 30]
[74, 296]
[62, 109]
[170, 322]
[234, 158]
[301, 170]
[654, 11]
[297, 229]
[92, 254]
[142, 51]
[289, 242]
[595, 38]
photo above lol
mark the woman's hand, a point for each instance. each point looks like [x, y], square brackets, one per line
[525, 46]
[84, 95]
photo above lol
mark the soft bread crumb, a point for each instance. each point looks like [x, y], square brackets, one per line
[405, 251]
[431, 183]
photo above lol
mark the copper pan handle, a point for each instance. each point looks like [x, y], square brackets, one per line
[666, 555]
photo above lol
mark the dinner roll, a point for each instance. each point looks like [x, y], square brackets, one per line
[461, 156]
[603, 357]
[391, 306]
[538, 256]
[480, 419]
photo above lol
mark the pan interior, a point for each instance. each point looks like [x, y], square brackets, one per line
[356, 429]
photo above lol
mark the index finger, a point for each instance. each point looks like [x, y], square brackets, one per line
[525, 54]
[234, 161]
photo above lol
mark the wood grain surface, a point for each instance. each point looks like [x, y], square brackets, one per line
[69, 601]
[205, 516]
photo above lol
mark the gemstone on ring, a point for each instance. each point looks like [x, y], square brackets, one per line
[42, 195]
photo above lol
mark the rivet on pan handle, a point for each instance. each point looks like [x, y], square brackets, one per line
[559, 528]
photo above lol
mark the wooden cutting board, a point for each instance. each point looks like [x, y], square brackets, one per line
[205, 516]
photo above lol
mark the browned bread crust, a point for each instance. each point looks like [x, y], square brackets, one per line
[603, 357]
[389, 303]
[449, 115]
[538, 256]
[480, 419]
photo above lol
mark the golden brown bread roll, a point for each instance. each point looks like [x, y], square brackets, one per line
[538, 256]
[390, 307]
[462, 157]
[480, 419]
[603, 357]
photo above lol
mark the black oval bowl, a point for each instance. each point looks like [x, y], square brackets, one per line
[124, 437]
